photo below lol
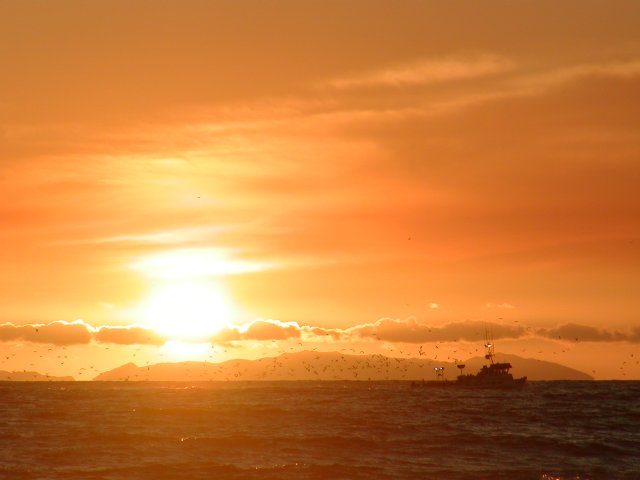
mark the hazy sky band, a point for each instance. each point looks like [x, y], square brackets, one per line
[350, 162]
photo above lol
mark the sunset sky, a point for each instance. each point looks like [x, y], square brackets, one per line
[232, 179]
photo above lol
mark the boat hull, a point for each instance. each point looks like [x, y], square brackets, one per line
[474, 385]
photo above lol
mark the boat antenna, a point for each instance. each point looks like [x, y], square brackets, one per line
[489, 348]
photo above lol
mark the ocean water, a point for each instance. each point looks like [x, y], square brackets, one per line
[318, 430]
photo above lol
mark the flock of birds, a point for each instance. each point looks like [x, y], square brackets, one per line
[292, 363]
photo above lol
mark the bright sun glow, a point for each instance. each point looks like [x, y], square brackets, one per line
[193, 263]
[189, 311]
[186, 350]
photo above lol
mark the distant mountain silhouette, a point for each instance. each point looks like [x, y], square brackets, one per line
[26, 376]
[311, 365]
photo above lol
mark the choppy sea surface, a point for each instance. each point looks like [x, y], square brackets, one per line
[318, 430]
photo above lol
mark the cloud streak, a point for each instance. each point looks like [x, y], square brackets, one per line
[412, 331]
[58, 333]
[499, 305]
[584, 333]
[392, 330]
[78, 332]
[259, 330]
[534, 83]
[132, 335]
[427, 71]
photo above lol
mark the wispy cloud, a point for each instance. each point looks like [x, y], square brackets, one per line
[537, 82]
[179, 236]
[499, 305]
[427, 71]
[583, 333]
[194, 262]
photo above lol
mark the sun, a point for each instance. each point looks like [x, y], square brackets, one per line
[186, 310]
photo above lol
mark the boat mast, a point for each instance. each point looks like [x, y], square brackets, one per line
[489, 349]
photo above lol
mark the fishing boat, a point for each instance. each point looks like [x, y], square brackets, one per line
[493, 375]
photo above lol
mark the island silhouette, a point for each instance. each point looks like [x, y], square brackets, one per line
[29, 376]
[313, 365]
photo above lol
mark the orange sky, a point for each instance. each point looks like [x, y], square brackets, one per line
[341, 169]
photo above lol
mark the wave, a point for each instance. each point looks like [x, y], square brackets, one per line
[564, 430]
